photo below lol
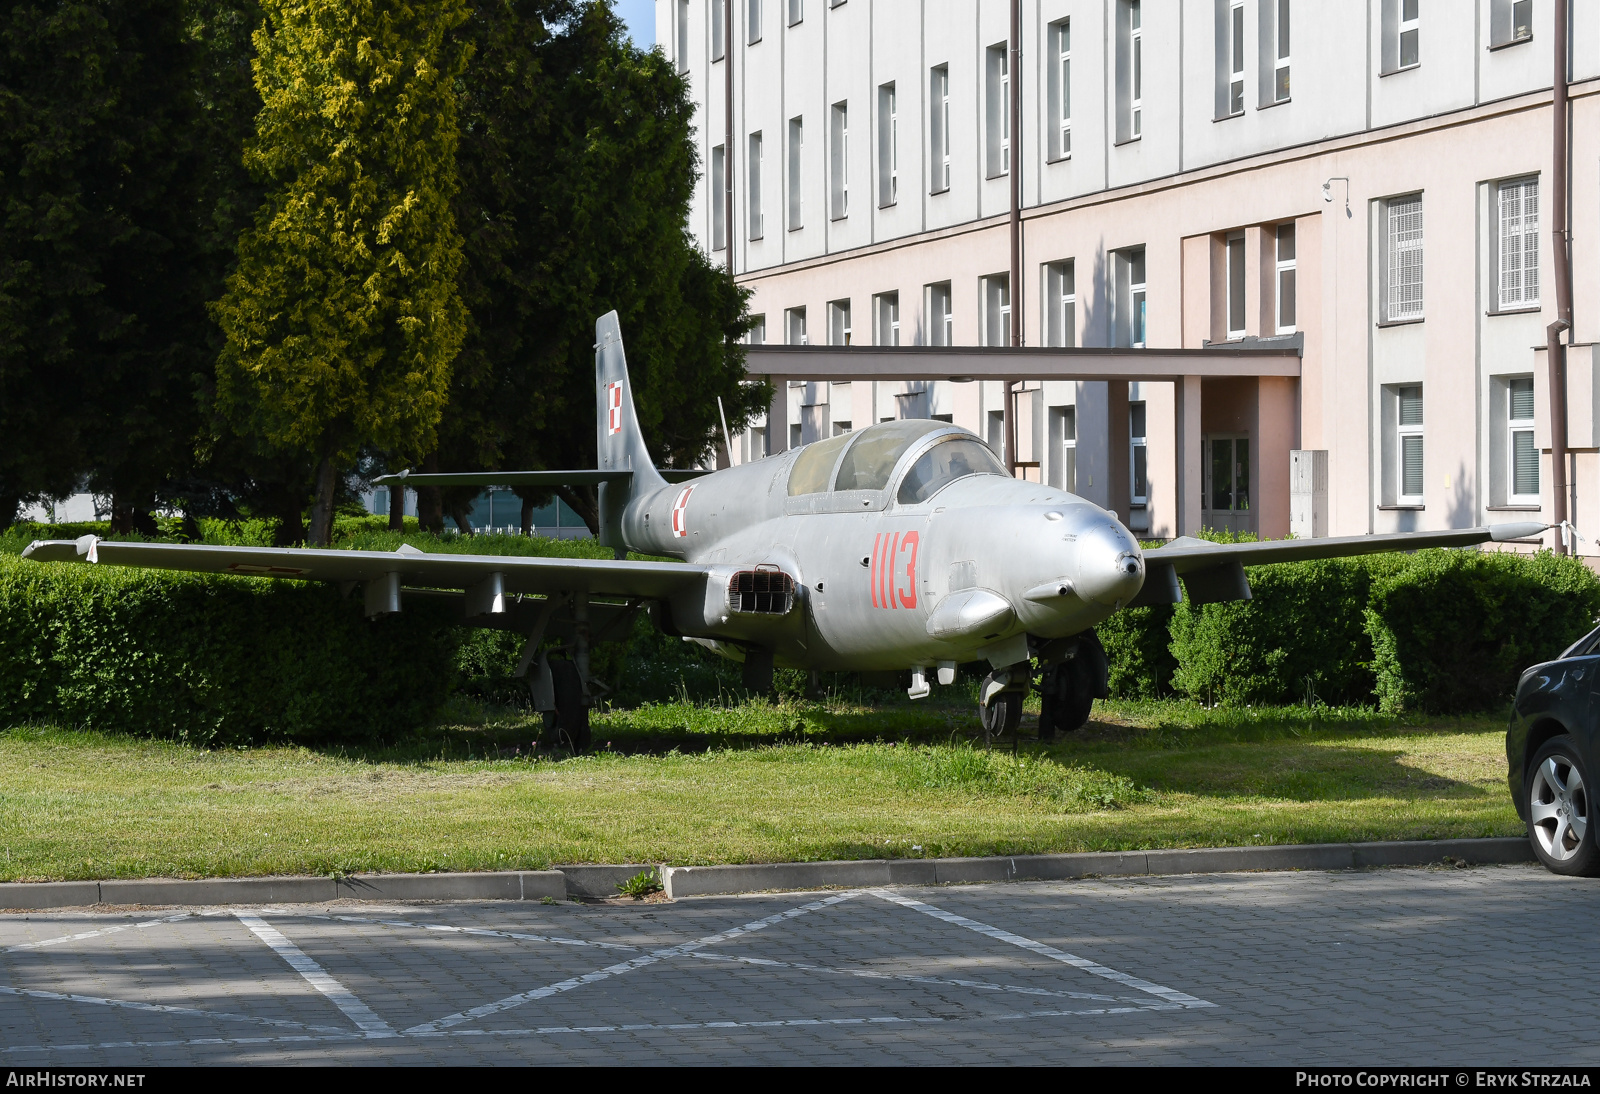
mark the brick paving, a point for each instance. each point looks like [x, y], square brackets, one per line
[1404, 966]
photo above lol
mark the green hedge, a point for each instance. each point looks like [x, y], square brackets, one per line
[1453, 630]
[212, 660]
[1441, 631]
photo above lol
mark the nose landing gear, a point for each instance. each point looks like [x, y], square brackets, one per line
[1069, 683]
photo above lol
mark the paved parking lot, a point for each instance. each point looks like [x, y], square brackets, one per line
[1472, 966]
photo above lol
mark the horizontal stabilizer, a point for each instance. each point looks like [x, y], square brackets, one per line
[1187, 555]
[589, 477]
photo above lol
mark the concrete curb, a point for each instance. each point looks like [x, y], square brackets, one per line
[682, 881]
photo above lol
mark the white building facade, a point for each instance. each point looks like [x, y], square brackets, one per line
[1371, 177]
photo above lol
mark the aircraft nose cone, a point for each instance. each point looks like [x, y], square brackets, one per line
[1110, 565]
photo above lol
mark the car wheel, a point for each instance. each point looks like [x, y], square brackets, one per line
[1559, 811]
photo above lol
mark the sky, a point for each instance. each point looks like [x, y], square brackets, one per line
[640, 15]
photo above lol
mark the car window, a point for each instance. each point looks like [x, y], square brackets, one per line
[1583, 646]
[878, 448]
[943, 464]
[814, 464]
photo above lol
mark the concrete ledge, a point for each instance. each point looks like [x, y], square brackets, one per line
[729, 880]
[520, 885]
[682, 881]
[221, 890]
[600, 881]
[25, 895]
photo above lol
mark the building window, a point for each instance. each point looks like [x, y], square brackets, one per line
[839, 169]
[1409, 53]
[1129, 314]
[1060, 304]
[886, 309]
[752, 22]
[939, 130]
[1236, 57]
[1401, 46]
[1285, 281]
[1524, 455]
[1408, 432]
[719, 29]
[996, 289]
[795, 320]
[839, 323]
[797, 11]
[1403, 266]
[1517, 244]
[1059, 90]
[997, 112]
[1227, 473]
[758, 331]
[719, 198]
[1236, 281]
[1280, 71]
[796, 146]
[1064, 444]
[941, 317]
[683, 36]
[888, 147]
[753, 172]
[1136, 61]
[1510, 22]
[1138, 464]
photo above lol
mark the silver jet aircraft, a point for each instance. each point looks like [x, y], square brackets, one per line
[903, 547]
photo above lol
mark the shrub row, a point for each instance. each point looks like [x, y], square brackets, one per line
[212, 660]
[1440, 631]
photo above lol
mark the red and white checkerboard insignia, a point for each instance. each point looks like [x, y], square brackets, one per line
[680, 525]
[614, 408]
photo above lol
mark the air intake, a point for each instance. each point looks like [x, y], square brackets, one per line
[761, 592]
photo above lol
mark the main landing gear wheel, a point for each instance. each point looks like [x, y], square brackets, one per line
[1558, 810]
[1066, 695]
[572, 709]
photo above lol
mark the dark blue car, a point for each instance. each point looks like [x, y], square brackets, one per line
[1550, 749]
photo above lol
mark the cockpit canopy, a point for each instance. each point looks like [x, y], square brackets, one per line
[870, 456]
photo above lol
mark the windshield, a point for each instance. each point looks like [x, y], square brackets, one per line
[810, 472]
[943, 464]
[871, 459]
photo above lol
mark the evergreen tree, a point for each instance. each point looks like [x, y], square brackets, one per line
[343, 316]
[577, 166]
[103, 271]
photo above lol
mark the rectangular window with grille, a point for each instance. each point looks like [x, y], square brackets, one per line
[1403, 268]
[1517, 244]
[1409, 468]
[1524, 454]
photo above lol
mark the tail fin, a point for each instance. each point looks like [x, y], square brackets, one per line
[618, 441]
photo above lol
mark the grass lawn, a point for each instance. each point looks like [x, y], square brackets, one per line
[698, 784]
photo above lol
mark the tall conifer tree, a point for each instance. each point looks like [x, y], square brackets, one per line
[343, 317]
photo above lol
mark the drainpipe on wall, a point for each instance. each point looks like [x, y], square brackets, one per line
[1555, 351]
[727, 141]
[1014, 137]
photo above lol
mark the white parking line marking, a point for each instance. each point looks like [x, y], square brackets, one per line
[626, 966]
[519, 936]
[639, 1027]
[339, 995]
[1171, 995]
[162, 1008]
[874, 974]
[95, 934]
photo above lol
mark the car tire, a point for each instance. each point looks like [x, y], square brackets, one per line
[1557, 801]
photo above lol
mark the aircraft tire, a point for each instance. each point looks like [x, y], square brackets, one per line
[1003, 714]
[1065, 697]
[572, 713]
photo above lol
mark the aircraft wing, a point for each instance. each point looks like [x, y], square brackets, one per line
[520, 574]
[1215, 571]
